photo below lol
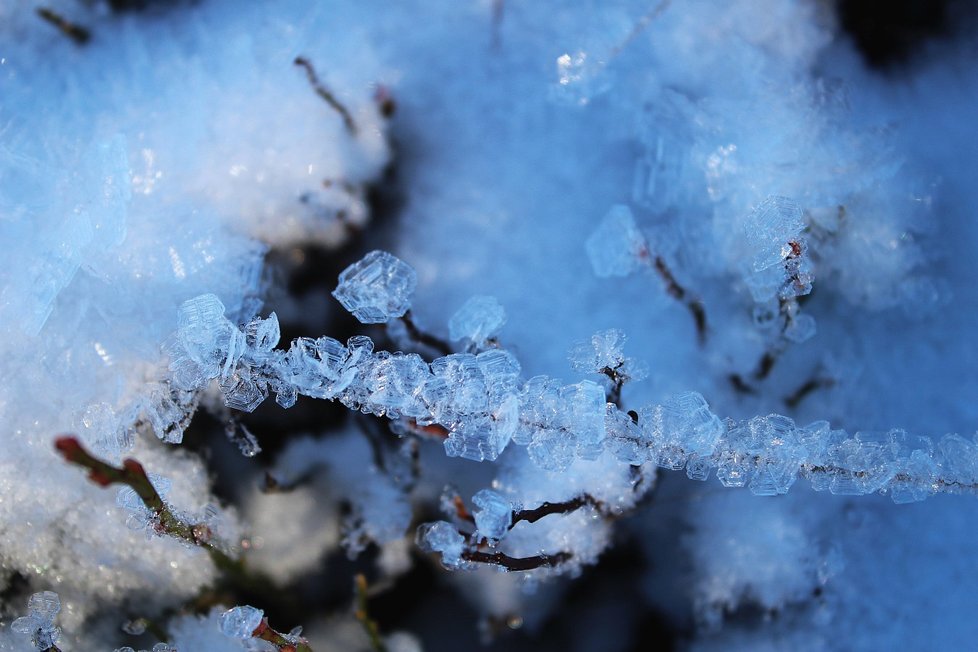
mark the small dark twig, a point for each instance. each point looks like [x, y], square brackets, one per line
[516, 563]
[640, 26]
[421, 337]
[324, 93]
[673, 287]
[766, 364]
[617, 382]
[376, 452]
[461, 511]
[385, 102]
[548, 508]
[770, 357]
[80, 35]
[363, 617]
[740, 385]
[811, 385]
[679, 293]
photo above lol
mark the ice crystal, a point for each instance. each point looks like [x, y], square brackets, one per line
[477, 320]
[42, 609]
[376, 288]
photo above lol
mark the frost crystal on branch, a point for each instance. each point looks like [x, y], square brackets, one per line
[617, 247]
[494, 516]
[377, 288]
[778, 266]
[442, 537]
[604, 354]
[42, 609]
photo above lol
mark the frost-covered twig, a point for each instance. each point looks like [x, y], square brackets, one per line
[604, 354]
[679, 293]
[516, 564]
[483, 405]
[495, 518]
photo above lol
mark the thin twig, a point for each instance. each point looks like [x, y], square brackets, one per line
[516, 563]
[548, 508]
[324, 93]
[80, 35]
[132, 474]
[812, 384]
[422, 337]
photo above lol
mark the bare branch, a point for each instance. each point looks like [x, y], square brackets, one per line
[324, 93]
[516, 563]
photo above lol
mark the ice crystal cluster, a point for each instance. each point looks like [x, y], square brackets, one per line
[42, 609]
[638, 324]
